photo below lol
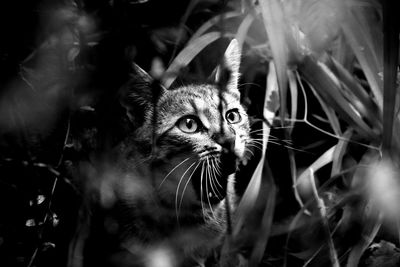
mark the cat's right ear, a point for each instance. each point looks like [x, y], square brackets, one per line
[227, 74]
[138, 96]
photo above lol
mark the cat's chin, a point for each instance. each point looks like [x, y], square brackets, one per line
[210, 186]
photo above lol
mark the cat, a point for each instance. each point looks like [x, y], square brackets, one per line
[170, 189]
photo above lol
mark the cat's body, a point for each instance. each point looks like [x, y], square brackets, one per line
[168, 189]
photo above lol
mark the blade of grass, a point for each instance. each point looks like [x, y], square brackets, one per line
[243, 29]
[322, 212]
[359, 40]
[187, 55]
[365, 104]
[323, 160]
[292, 160]
[327, 85]
[183, 21]
[362, 245]
[275, 25]
[342, 52]
[266, 222]
[330, 113]
[248, 203]
[293, 97]
[210, 23]
[339, 153]
[250, 195]
[371, 215]
[391, 28]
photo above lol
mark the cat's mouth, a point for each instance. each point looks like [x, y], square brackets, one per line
[211, 178]
[208, 181]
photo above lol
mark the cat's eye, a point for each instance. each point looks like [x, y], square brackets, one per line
[233, 116]
[189, 124]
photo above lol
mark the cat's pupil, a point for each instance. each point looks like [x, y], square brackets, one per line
[189, 123]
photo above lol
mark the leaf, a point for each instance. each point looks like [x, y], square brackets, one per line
[391, 29]
[330, 113]
[357, 94]
[275, 25]
[339, 153]
[266, 222]
[293, 97]
[207, 25]
[319, 19]
[323, 160]
[243, 29]
[251, 193]
[30, 223]
[187, 55]
[40, 199]
[360, 41]
[327, 85]
[357, 251]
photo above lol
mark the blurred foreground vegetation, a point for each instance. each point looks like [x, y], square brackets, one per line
[321, 76]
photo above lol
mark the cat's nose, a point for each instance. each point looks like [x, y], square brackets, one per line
[223, 139]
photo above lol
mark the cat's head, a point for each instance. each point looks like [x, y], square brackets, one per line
[200, 121]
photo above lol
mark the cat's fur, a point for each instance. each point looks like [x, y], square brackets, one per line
[167, 189]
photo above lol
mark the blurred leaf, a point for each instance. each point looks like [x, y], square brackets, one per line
[391, 29]
[361, 43]
[323, 160]
[382, 254]
[330, 113]
[320, 22]
[357, 251]
[210, 23]
[293, 97]
[364, 212]
[243, 29]
[30, 223]
[275, 25]
[342, 53]
[187, 55]
[248, 203]
[266, 223]
[40, 199]
[357, 94]
[327, 85]
[323, 214]
[339, 152]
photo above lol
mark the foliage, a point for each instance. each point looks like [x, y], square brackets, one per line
[321, 75]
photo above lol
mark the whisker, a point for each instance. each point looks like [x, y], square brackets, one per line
[217, 172]
[257, 141]
[212, 183]
[201, 192]
[215, 181]
[283, 127]
[186, 184]
[177, 190]
[254, 141]
[255, 146]
[255, 131]
[287, 141]
[166, 176]
[208, 198]
[249, 150]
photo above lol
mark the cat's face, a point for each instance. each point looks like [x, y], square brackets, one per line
[202, 119]
[196, 133]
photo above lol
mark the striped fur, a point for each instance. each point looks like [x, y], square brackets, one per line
[176, 163]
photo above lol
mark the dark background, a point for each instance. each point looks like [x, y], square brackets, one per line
[61, 64]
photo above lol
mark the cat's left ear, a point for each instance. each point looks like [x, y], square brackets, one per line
[227, 74]
[139, 95]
